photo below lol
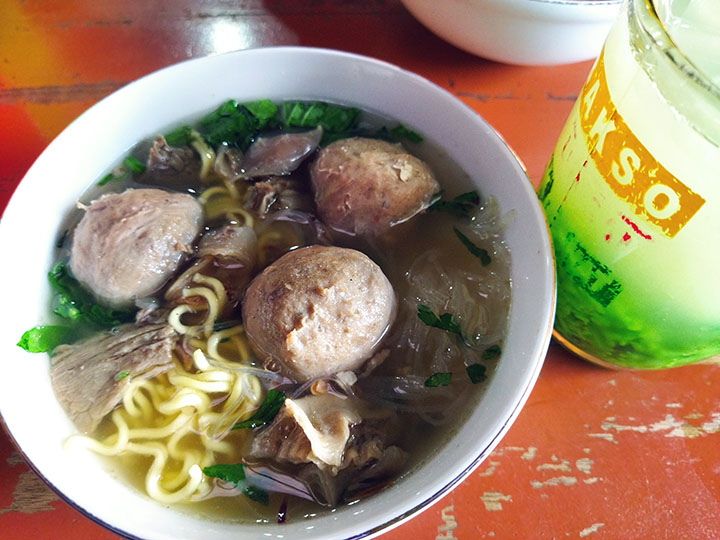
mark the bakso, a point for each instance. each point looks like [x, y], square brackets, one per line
[365, 186]
[127, 245]
[318, 311]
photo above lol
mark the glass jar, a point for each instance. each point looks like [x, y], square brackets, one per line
[628, 194]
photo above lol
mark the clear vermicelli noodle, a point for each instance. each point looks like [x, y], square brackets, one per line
[335, 316]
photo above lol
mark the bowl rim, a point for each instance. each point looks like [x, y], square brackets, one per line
[539, 347]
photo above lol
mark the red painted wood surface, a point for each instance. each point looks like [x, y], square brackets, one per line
[595, 454]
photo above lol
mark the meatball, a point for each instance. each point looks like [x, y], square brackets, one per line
[365, 186]
[317, 311]
[127, 245]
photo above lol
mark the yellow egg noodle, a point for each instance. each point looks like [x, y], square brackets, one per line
[159, 417]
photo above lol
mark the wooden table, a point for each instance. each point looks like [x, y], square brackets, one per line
[594, 454]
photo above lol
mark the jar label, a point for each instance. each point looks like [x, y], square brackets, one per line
[628, 168]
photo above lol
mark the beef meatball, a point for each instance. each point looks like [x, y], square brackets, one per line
[365, 186]
[127, 245]
[317, 311]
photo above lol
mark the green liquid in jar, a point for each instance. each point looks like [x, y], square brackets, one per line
[632, 198]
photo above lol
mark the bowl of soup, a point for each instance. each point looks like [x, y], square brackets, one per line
[284, 292]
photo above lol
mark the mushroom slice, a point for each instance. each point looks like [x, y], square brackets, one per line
[310, 429]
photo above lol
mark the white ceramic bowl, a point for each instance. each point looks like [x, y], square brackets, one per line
[102, 135]
[526, 32]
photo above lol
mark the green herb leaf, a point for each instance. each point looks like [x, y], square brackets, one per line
[339, 119]
[332, 118]
[257, 494]
[134, 165]
[402, 132]
[460, 206]
[181, 136]
[122, 375]
[479, 252]
[231, 124]
[235, 474]
[108, 178]
[445, 321]
[266, 412]
[263, 110]
[438, 379]
[492, 352]
[476, 372]
[44, 338]
[130, 166]
[74, 302]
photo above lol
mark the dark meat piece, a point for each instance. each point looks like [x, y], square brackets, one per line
[228, 254]
[365, 186]
[335, 446]
[310, 429]
[129, 244]
[89, 377]
[172, 167]
[231, 241]
[268, 156]
[318, 310]
[228, 163]
[279, 193]
[279, 154]
[283, 441]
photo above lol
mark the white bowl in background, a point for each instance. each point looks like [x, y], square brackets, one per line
[525, 32]
[105, 133]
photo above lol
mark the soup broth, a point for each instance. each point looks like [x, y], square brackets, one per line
[449, 269]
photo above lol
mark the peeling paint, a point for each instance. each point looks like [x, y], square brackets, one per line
[607, 436]
[555, 481]
[15, 459]
[607, 426]
[557, 465]
[714, 425]
[584, 465]
[530, 454]
[591, 529]
[674, 427]
[31, 495]
[677, 428]
[592, 480]
[445, 531]
[674, 405]
[492, 467]
[493, 500]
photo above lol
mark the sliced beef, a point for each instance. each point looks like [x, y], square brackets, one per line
[89, 377]
[317, 311]
[365, 186]
[129, 244]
